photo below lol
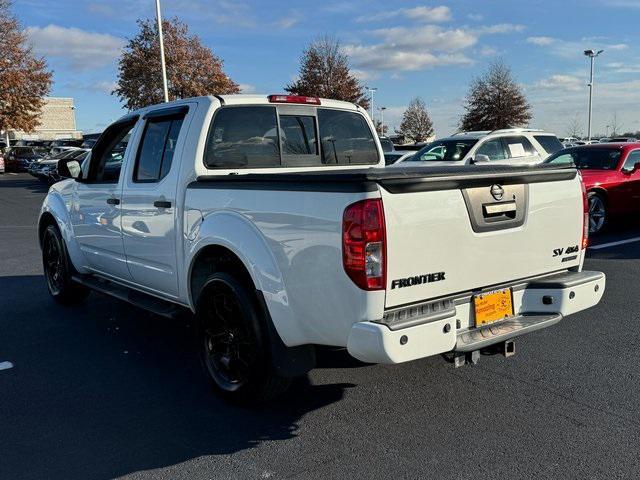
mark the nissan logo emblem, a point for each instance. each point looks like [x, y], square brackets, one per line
[497, 192]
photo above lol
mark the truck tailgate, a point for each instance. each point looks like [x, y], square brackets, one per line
[456, 234]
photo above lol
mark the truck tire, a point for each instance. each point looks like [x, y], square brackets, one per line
[597, 213]
[58, 269]
[233, 343]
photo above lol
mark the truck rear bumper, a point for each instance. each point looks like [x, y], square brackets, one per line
[538, 304]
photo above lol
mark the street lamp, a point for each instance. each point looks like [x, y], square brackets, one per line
[382, 109]
[592, 54]
[162, 62]
[371, 90]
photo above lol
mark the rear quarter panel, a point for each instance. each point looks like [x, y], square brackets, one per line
[291, 243]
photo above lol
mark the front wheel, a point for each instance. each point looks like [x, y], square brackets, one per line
[234, 348]
[58, 269]
[597, 213]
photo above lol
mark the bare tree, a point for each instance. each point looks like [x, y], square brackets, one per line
[616, 126]
[574, 128]
[24, 78]
[325, 72]
[192, 68]
[416, 123]
[495, 101]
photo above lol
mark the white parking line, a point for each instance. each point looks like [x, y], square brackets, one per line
[6, 365]
[615, 244]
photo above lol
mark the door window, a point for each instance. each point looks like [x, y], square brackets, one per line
[157, 148]
[108, 153]
[492, 149]
[632, 159]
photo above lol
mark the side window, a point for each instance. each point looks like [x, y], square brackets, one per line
[346, 138]
[518, 147]
[298, 135]
[108, 153]
[492, 149]
[157, 148]
[632, 159]
[243, 137]
[562, 159]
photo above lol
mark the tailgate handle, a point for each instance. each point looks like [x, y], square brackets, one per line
[508, 209]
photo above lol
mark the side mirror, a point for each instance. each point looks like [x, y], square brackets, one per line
[480, 158]
[69, 169]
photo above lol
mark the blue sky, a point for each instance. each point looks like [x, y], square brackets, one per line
[404, 48]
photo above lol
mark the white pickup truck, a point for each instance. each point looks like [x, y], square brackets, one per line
[272, 219]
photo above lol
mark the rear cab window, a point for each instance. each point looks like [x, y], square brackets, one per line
[266, 136]
[550, 143]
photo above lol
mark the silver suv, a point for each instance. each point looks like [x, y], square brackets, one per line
[519, 146]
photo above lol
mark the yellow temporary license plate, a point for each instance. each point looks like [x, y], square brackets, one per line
[493, 306]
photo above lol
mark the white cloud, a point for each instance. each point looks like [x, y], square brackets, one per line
[426, 14]
[541, 41]
[288, 21]
[247, 88]
[80, 49]
[500, 28]
[420, 13]
[422, 47]
[487, 51]
[476, 17]
[561, 82]
[572, 49]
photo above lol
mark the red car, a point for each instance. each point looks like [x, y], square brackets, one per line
[611, 175]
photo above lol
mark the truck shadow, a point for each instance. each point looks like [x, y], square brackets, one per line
[103, 390]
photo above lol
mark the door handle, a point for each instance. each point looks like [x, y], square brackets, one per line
[113, 201]
[162, 204]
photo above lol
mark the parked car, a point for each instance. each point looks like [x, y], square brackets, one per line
[611, 176]
[272, 219]
[45, 169]
[53, 151]
[622, 140]
[19, 159]
[52, 173]
[511, 146]
[396, 156]
[2, 166]
[386, 144]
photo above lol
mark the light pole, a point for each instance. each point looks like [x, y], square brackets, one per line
[592, 54]
[382, 109]
[161, 40]
[371, 90]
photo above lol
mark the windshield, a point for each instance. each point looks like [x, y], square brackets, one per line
[448, 150]
[588, 158]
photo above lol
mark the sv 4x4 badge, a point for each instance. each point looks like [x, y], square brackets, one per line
[572, 250]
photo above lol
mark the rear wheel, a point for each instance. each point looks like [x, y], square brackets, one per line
[233, 345]
[597, 213]
[58, 269]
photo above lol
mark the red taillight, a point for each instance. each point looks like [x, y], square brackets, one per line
[364, 244]
[294, 99]
[585, 216]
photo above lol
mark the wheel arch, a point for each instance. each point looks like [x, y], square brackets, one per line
[249, 253]
[54, 212]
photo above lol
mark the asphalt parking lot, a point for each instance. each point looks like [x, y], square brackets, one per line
[106, 390]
